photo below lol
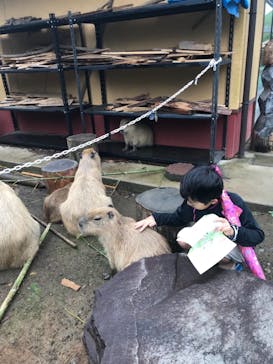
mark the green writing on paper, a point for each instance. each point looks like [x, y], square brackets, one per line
[206, 241]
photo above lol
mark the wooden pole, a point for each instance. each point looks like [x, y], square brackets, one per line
[61, 236]
[20, 277]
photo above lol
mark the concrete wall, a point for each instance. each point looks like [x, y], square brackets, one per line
[239, 55]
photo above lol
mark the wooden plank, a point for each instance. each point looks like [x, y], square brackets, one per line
[152, 2]
[144, 52]
[180, 60]
[107, 6]
[35, 101]
[29, 53]
[191, 45]
[197, 60]
[131, 109]
[181, 105]
[178, 106]
[83, 49]
[193, 52]
[121, 7]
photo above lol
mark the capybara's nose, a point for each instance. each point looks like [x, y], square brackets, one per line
[82, 221]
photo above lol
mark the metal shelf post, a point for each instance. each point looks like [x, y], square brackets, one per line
[75, 60]
[53, 22]
[6, 88]
[214, 112]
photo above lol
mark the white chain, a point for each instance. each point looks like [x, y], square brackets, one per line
[212, 64]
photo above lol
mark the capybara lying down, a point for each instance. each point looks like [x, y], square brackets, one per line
[20, 233]
[86, 192]
[52, 203]
[122, 242]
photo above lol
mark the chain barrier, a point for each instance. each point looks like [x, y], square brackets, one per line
[212, 64]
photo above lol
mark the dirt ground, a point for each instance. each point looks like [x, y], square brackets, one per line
[44, 323]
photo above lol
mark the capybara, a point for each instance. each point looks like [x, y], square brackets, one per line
[86, 192]
[137, 135]
[20, 233]
[89, 162]
[52, 203]
[122, 242]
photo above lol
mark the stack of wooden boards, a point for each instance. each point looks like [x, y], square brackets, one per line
[17, 100]
[143, 103]
[45, 57]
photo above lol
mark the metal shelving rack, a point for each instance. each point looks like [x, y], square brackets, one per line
[99, 19]
[188, 6]
[29, 139]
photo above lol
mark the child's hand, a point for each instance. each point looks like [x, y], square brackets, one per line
[148, 222]
[184, 245]
[184, 235]
[224, 226]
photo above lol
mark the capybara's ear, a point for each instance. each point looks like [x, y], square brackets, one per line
[110, 214]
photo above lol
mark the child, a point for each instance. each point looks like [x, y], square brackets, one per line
[201, 189]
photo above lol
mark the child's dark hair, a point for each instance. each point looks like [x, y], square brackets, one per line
[201, 184]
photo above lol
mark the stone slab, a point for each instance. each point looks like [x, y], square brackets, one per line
[160, 310]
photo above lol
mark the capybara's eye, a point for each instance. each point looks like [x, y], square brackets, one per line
[97, 218]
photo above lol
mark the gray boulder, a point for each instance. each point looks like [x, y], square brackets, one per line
[160, 310]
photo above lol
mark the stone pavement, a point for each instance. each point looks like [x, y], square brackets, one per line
[251, 177]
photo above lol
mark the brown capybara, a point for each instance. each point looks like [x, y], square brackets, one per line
[20, 233]
[52, 203]
[122, 242]
[86, 192]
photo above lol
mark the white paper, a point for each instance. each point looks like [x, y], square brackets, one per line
[210, 250]
[208, 246]
[191, 235]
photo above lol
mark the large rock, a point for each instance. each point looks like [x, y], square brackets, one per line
[263, 129]
[160, 310]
